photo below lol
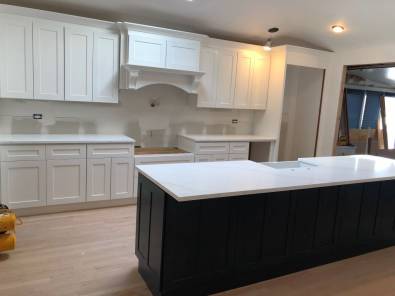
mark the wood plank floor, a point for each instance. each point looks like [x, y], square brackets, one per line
[91, 253]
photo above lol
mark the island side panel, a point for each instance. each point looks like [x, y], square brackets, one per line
[149, 232]
[206, 246]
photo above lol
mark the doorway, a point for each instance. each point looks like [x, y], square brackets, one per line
[367, 121]
[301, 112]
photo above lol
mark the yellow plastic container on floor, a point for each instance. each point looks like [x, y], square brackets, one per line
[7, 221]
[7, 242]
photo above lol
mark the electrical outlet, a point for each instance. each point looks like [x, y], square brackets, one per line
[235, 121]
[37, 116]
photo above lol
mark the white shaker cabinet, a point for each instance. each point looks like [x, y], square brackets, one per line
[207, 91]
[147, 49]
[226, 75]
[105, 67]
[78, 63]
[16, 57]
[182, 54]
[66, 181]
[98, 179]
[122, 178]
[244, 70]
[48, 49]
[23, 184]
[260, 82]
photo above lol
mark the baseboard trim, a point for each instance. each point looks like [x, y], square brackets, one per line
[74, 207]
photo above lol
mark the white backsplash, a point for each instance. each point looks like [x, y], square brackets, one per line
[133, 116]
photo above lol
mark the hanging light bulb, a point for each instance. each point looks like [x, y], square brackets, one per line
[268, 44]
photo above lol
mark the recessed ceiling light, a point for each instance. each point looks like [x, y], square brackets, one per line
[189, 0]
[337, 28]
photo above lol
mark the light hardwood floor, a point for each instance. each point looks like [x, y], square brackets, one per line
[91, 253]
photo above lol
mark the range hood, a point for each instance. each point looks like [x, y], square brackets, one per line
[136, 77]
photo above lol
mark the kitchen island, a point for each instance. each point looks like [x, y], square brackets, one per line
[209, 227]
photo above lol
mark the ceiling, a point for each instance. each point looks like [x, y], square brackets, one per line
[301, 22]
[382, 77]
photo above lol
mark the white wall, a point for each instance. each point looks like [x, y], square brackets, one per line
[133, 116]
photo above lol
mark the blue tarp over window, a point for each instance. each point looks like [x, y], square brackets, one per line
[354, 108]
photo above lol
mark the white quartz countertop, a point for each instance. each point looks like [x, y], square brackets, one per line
[194, 181]
[63, 139]
[227, 138]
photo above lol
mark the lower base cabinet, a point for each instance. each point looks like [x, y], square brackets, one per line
[65, 174]
[23, 184]
[66, 181]
[99, 179]
[121, 178]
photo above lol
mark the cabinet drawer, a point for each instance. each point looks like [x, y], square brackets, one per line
[66, 151]
[110, 150]
[237, 156]
[212, 148]
[22, 152]
[239, 147]
[211, 157]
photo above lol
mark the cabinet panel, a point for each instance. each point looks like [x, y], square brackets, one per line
[110, 150]
[226, 78]
[105, 67]
[182, 54]
[22, 152]
[66, 181]
[147, 49]
[78, 63]
[239, 147]
[48, 42]
[66, 151]
[260, 82]
[243, 79]
[121, 178]
[237, 156]
[23, 184]
[16, 57]
[98, 179]
[207, 93]
[212, 148]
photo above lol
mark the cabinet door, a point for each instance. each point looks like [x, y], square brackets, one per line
[147, 49]
[121, 178]
[23, 184]
[226, 78]
[207, 94]
[16, 57]
[245, 61]
[260, 82]
[48, 43]
[105, 67]
[238, 156]
[78, 63]
[66, 181]
[182, 54]
[99, 179]
[220, 157]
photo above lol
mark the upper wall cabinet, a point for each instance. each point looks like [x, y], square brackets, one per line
[48, 60]
[155, 50]
[235, 78]
[16, 57]
[105, 67]
[147, 49]
[79, 64]
[48, 50]
[182, 54]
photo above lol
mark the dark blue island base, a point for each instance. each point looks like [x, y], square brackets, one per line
[207, 246]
